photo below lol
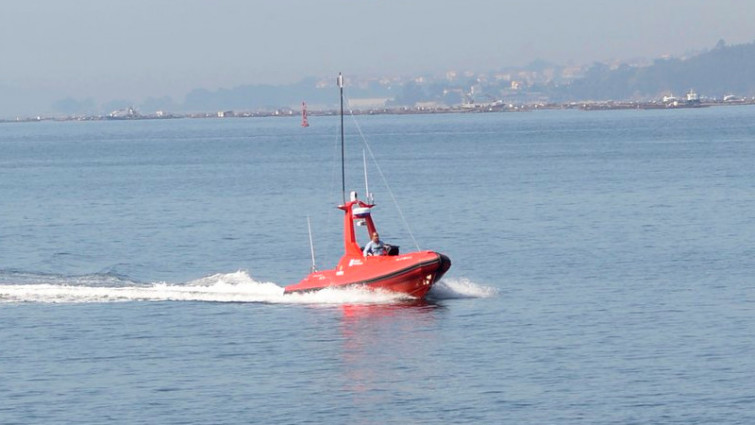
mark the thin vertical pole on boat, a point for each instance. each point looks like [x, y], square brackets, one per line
[311, 245]
[366, 185]
[343, 168]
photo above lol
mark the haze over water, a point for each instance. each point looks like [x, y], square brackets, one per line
[109, 57]
[602, 270]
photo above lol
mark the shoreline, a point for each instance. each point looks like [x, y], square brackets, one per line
[465, 109]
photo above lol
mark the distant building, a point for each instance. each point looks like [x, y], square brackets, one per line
[692, 97]
[129, 112]
[670, 99]
[428, 105]
[369, 103]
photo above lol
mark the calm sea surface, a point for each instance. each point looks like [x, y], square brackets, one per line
[603, 270]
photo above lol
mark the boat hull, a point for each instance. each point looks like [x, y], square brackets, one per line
[411, 274]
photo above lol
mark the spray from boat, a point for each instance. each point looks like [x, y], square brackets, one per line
[237, 287]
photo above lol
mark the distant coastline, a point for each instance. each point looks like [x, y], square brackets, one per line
[132, 114]
[717, 74]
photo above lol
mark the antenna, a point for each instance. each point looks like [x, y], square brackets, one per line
[367, 194]
[311, 245]
[343, 167]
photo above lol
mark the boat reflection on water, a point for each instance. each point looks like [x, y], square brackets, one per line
[410, 307]
[383, 344]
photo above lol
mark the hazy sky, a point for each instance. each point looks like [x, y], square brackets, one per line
[133, 49]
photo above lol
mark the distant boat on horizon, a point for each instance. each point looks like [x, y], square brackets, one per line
[304, 122]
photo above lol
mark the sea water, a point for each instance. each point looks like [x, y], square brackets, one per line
[602, 270]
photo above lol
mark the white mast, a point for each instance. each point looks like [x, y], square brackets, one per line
[311, 245]
[343, 167]
[367, 194]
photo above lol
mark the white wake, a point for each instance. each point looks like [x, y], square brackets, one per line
[224, 287]
[454, 288]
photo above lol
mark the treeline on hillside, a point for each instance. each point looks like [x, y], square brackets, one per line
[718, 72]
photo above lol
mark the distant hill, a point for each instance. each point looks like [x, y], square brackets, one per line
[715, 73]
[269, 97]
[720, 71]
[251, 97]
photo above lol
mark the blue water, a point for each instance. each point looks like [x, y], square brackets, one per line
[602, 270]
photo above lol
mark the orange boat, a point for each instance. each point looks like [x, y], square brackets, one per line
[412, 274]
